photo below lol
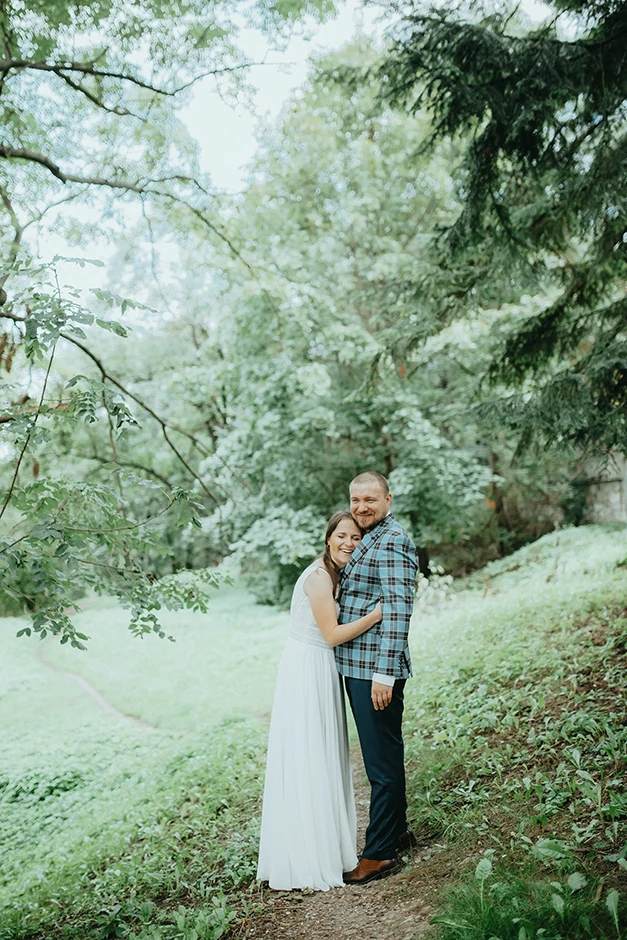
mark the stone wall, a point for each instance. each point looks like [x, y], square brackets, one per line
[606, 481]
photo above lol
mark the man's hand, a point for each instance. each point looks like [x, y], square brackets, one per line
[381, 695]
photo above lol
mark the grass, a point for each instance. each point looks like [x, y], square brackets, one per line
[221, 665]
[519, 742]
[516, 748]
[102, 816]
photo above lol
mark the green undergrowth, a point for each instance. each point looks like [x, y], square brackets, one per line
[523, 908]
[109, 828]
[517, 743]
[166, 858]
[516, 751]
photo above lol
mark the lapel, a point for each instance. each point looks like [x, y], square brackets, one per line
[369, 539]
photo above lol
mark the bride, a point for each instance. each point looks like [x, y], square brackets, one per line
[308, 825]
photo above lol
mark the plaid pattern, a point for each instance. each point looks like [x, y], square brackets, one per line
[383, 568]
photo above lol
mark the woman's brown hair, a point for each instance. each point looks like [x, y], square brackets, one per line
[329, 564]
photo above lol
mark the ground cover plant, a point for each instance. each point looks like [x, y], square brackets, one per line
[518, 754]
[516, 747]
[174, 685]
[111, 828]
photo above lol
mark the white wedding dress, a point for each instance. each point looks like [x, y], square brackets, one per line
[308, 824]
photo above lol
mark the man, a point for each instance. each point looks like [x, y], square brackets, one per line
[375, 666]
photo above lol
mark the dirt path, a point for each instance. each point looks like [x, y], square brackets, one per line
[391, 909]
[83, 684]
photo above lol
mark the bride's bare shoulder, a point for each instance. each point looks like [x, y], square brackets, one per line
[318, 581]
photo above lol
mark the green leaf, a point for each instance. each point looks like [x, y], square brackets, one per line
[550, 848]
[112, 326]
[483, 869]
[576, 881]
[96, 262]
[558, 903]
[611, 902]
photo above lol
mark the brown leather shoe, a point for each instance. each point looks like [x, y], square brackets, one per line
[368, 869]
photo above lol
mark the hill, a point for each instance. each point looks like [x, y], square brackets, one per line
[518, 743]
[516, 749]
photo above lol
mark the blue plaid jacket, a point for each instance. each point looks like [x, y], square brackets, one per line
[383, 568]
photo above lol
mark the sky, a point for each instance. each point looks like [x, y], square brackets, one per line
[225, 132]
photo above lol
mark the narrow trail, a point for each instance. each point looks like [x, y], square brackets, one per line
[391, 909]
[86, 686]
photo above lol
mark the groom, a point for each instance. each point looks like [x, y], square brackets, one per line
[375, 666]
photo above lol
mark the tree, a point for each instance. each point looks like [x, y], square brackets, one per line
[305, 366]
[309, 335]
[335, 224]
[88, 102]
[541, 112]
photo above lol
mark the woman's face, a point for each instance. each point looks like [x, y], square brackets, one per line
[343, 540]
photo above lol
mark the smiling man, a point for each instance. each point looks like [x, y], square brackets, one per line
[376, 665]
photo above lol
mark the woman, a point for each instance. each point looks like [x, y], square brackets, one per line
[308, 826]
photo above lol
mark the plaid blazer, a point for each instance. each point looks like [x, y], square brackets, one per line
[383, 568]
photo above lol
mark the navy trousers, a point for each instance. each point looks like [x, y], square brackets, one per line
[381, 740]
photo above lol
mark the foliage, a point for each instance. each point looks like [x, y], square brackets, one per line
[66, 532]
[90, 93]
[519, 739]
[304, 348]
[541, 113]
[276, 548]
[89, 100]
[519, 910]
[307, 329]
[112, 827]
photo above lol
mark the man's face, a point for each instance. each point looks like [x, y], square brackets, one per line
[369, 504]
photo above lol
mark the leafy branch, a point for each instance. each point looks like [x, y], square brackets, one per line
[107, 376]
[145, 187]
[91, 69]
[20, 458]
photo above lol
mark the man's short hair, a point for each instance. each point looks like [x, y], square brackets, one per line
[371, 476]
